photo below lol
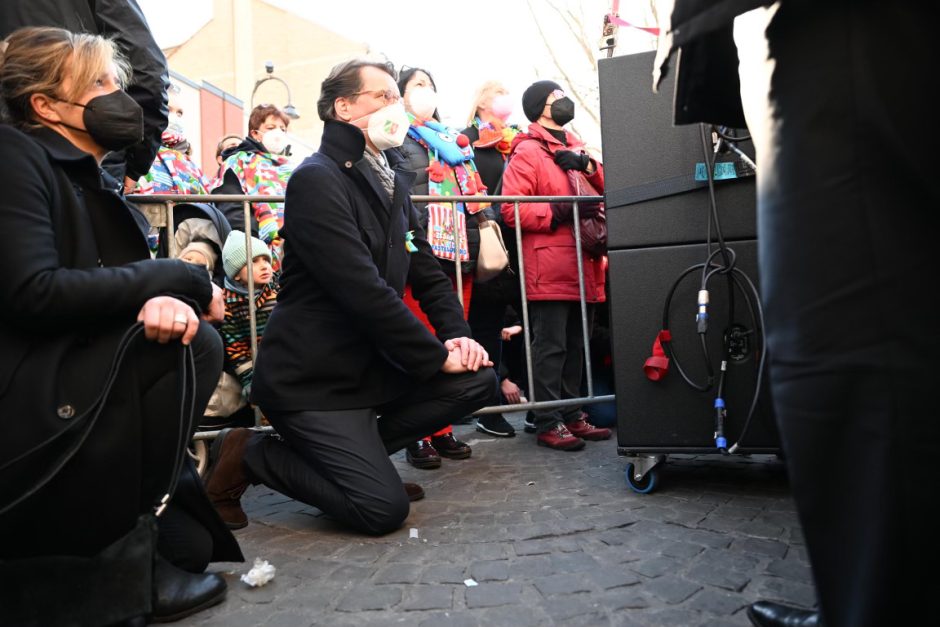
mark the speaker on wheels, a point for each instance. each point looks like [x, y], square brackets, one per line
[659, 218]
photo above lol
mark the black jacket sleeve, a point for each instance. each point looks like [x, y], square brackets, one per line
[124, 21]
[37, 291]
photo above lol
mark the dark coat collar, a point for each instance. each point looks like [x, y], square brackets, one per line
[342, 142]
[345, 144]
[70, 156]
[61, 149]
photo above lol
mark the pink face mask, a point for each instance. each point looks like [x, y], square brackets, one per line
[501, 106]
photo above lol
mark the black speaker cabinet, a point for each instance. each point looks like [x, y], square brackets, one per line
[658, 215]
[669, 415]
[655, 184]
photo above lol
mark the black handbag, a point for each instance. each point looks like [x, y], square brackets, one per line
[115, 584]
[104, 589]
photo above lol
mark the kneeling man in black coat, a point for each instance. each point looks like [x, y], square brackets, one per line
[347, 374]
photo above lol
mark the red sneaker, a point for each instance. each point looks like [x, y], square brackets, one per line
[560, 438]
[586, 431]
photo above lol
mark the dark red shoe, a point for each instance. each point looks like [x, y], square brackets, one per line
[586, 431]
[560, 438]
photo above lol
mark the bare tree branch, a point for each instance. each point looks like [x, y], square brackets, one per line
[570, 21]
[560, 67]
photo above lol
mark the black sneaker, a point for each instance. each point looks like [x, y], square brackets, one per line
[529, 422]
[495, 424]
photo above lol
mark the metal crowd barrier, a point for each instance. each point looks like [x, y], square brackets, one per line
[159, 211]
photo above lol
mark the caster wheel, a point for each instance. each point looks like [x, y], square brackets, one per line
[644, 486]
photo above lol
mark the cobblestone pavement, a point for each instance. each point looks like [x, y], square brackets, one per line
[550, 538]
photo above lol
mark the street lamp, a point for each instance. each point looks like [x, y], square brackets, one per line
[289, 109]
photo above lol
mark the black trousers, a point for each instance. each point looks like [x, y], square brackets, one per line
[849, 216]
[557, 358]
[125, 464]
[338, 461]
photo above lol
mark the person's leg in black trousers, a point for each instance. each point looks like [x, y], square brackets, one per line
[549, 320]
[444, 397]
[848, 224]
[338, 461]
[557, 359]
[486, 323]
[124, 465]
[335, 461]
[121, 471]
[573, 371]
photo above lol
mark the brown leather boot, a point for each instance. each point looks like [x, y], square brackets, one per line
[227, 480]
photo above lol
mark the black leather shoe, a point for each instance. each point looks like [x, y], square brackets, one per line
[178, 594]
[768, 614]
[450, 447]
[422, 455]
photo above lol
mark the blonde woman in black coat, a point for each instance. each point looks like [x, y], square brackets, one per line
[92, 441]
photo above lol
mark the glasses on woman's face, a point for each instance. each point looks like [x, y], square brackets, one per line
[388, 95]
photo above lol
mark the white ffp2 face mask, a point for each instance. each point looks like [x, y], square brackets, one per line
[176, 125]
[274, 141]
[423, 102]
[388, 126]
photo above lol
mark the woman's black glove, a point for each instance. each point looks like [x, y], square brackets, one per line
[571, 160]
[563, 211]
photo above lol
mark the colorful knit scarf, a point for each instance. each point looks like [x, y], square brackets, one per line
[172, 172]
[451, 172]
[263, 174]
[495, 135]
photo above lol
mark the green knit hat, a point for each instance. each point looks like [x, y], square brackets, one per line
[233, 253]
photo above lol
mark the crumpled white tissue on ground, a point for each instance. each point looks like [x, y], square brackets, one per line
[261, 573]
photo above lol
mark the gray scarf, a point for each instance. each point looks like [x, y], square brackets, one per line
[380, 166]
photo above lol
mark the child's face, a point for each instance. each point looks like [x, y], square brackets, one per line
[195, 257]
[261, 269]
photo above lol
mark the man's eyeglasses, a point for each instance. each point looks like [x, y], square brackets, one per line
[388, 95]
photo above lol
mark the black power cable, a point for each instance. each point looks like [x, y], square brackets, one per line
[720, 261]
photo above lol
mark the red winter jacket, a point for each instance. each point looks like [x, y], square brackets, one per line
[551, 265]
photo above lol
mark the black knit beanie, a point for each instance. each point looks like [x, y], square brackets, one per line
[534, 97]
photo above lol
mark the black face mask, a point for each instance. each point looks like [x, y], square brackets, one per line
[562, 111]
[114, 120]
